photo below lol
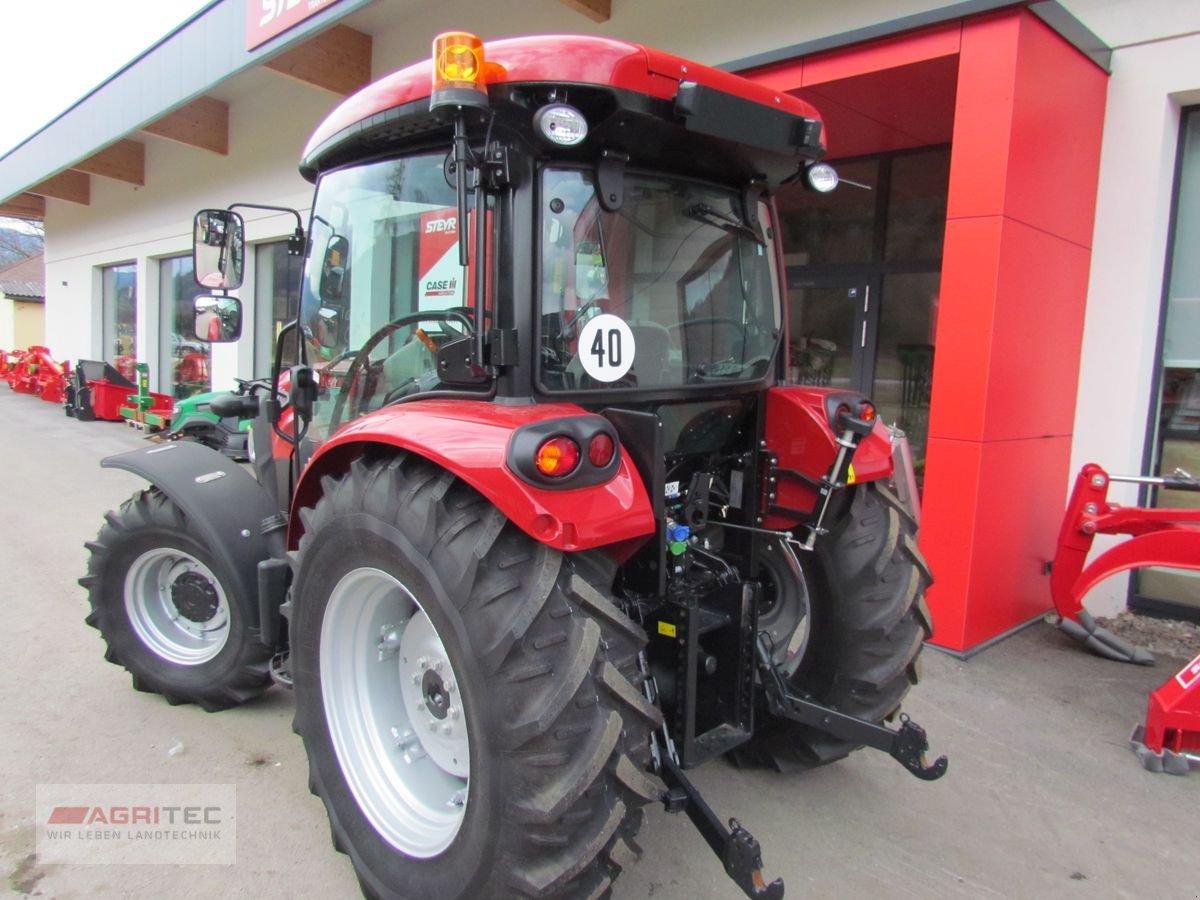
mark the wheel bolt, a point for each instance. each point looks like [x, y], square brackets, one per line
[437, 666]
[447, 729]
[416, 678]
[451, 687]
[423, 662]
[452, 712]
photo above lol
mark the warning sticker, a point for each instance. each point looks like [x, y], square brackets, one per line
[1189, 674]
[606, 347]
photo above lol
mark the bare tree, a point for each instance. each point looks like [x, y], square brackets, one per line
[20, 238]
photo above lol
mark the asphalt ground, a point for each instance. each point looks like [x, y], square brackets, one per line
[1043, 797]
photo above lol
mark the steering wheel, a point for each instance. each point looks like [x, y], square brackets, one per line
[363, 355]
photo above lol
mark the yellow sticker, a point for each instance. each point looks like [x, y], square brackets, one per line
[850, 476]
[666, 629]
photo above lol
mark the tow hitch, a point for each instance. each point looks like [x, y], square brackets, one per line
[738, 850]
[736, 847]
[906, 745]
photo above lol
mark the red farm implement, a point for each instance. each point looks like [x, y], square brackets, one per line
[99, 391]
[35, 371]
[1170, 739]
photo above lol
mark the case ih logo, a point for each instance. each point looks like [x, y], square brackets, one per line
[135, 815]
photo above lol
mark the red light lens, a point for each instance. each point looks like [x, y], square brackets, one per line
[600, 450]
[557, 457]
[866, 412]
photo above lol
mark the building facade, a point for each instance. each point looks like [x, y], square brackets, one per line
[1008, 275]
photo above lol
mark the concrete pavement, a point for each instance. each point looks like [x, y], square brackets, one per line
[1043, 798]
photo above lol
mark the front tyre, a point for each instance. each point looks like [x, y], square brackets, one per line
[163, 604]
[468, 698]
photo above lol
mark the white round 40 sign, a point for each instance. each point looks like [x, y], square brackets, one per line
[606, 347]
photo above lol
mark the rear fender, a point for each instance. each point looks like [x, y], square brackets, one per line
[800, 436]
[471, 440]
[234, 517]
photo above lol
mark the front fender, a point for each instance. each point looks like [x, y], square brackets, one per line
[470, 438]
[233, 515]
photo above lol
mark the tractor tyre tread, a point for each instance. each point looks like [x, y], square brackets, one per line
[553, 648]
[238, 674]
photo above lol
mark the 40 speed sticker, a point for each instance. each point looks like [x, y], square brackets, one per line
[606, 347]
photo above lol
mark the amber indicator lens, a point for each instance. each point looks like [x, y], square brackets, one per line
[459, 62]
[458, 71]
[557, 457]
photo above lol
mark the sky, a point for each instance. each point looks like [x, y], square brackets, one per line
[55, 54]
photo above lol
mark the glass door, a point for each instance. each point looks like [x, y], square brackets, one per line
[831, 329]
[1175, 430]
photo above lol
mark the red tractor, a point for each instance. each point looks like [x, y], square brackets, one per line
[535, 524]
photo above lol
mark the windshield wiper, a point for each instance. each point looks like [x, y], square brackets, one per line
[710, 215]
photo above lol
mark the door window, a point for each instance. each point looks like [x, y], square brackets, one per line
[1176, 429]
[183, 360]
[119, 310]
[864, 268]
[276, 282]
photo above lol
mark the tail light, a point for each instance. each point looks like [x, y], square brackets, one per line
[847, 410]
[600, 450]
[557, 457]
[568, 452]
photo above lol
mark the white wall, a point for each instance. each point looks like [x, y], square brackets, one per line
[126, 223]
[1154, 75]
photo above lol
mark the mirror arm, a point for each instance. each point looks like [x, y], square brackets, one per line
[296, 241]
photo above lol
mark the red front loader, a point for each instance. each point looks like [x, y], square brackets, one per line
[536, 523]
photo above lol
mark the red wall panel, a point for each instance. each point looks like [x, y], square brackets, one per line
[1028, 112]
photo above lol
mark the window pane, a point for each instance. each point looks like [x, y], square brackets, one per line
[184, 360]
[276, 280]
[119, 309]
[838, 227]
[1177, 442]
[672, 289]
[916, 220]
[904, 357]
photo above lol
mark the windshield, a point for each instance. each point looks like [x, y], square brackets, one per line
[383, 249]
[671, 289]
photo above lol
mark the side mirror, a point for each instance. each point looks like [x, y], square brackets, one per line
[333, 270]
[216, 319]
[218, 249]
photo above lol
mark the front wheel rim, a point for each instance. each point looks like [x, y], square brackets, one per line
[394, 707]
[177, 607]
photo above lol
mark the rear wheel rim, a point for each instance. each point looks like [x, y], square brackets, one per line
[177, 607]
[396, 720]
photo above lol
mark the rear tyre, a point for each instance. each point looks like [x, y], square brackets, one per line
[162, 601]
[862, 622]
[468, 698]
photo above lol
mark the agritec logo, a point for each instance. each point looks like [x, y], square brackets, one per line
[136, 824]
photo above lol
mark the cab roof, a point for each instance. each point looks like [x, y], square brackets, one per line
[570, 60]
